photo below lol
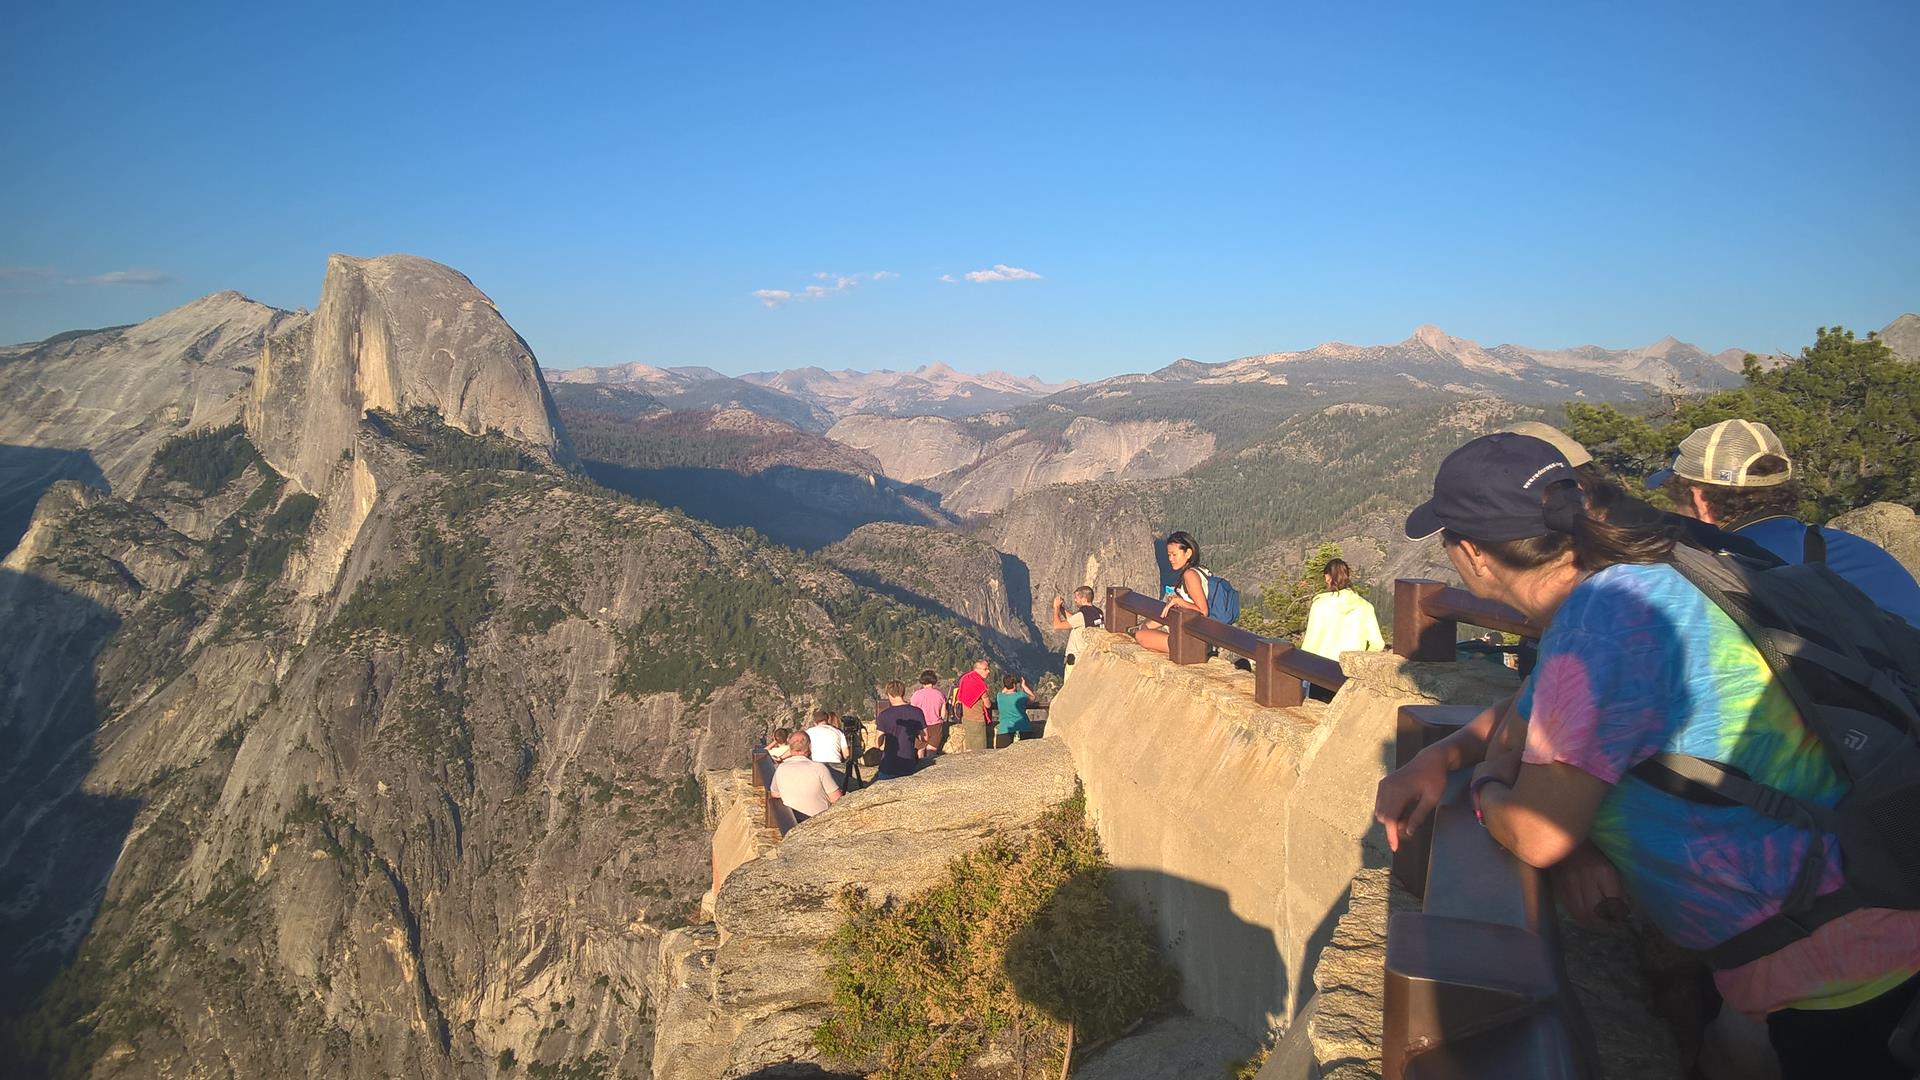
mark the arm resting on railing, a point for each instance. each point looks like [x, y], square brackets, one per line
[1544, 812]
[1406, 796]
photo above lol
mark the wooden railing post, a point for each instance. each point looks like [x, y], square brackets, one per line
[1274, 688]
[1418, 635]
[1118, 619]
[1183, 647]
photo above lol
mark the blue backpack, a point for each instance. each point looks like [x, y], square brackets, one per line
[1223, 600]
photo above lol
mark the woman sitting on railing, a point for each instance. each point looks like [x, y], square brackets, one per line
[1636, 661]
[1190, 590]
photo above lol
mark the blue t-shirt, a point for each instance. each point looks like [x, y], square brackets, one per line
[1013, 711]
[1864, 564]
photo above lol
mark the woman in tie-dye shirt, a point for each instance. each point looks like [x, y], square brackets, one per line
[1636, 661]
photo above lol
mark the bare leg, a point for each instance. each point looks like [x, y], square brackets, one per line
[1151, 638]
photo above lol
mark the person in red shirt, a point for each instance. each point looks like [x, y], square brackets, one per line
[972, 696]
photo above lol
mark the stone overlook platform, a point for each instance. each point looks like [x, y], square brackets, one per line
[1242, 834]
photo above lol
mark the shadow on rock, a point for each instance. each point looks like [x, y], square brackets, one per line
[801, 508]
[58, 843]
[26, 472]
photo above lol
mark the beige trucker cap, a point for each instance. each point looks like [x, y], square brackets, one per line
[1575, 454]
[1723, 453]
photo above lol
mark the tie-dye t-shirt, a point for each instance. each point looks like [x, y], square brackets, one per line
[1638, 661]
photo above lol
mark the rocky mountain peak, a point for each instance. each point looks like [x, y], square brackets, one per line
[392, 333]
[1902, 335]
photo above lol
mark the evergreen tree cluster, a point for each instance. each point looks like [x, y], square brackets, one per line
[1847, 410]
[208, 460]
[445, 448]
[671, 440]
[438, 598]
[1317, 468]
[720, 627]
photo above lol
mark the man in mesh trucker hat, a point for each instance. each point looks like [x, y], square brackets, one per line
[1736, 475]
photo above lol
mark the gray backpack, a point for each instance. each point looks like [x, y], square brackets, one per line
[1853, 672]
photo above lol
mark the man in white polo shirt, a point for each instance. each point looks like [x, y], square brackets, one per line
[829, 745]
[803, 784]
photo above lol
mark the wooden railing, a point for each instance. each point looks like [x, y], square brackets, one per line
[1278, 667]
[775, 813]
[1427, 617]
[1476, 985]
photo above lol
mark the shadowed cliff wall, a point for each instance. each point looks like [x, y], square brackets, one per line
[1253, 822]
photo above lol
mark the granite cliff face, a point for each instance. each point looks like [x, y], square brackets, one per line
[912, 449]
[1081, 534]
[1902, 335]
[742, 998]
[979, 469]
[391, 333]
[954, 575]
[389, 771]
[735, 467]
[95, 405]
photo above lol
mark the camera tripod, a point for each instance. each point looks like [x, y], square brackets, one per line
[850, 727]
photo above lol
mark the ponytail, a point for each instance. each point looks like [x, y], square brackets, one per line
[1595, 542]
[1339, 575]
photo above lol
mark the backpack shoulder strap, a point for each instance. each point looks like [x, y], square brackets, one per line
[1803, 910]
[1813, 548]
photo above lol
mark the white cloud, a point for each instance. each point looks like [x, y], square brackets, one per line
[25, 278]
[949, 279]
[135, 276]
[999, 272]
[835, 283]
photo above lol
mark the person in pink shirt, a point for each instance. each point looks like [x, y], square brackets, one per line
[933, 704]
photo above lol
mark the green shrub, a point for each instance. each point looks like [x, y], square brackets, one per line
[536, 619]
[1248, 1068]
[1019, 942]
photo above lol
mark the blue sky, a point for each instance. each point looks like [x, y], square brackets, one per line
[1203, 181]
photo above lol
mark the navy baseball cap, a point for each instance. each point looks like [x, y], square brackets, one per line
[1492, 489]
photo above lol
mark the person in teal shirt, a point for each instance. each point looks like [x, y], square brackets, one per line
[1010, 704]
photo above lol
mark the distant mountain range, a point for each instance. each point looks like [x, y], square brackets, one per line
[813, 398]
[1433, 358]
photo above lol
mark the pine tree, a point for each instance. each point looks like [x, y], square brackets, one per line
[1284, 604]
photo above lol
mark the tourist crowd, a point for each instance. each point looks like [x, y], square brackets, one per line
[816, 766]
[1641, 675]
